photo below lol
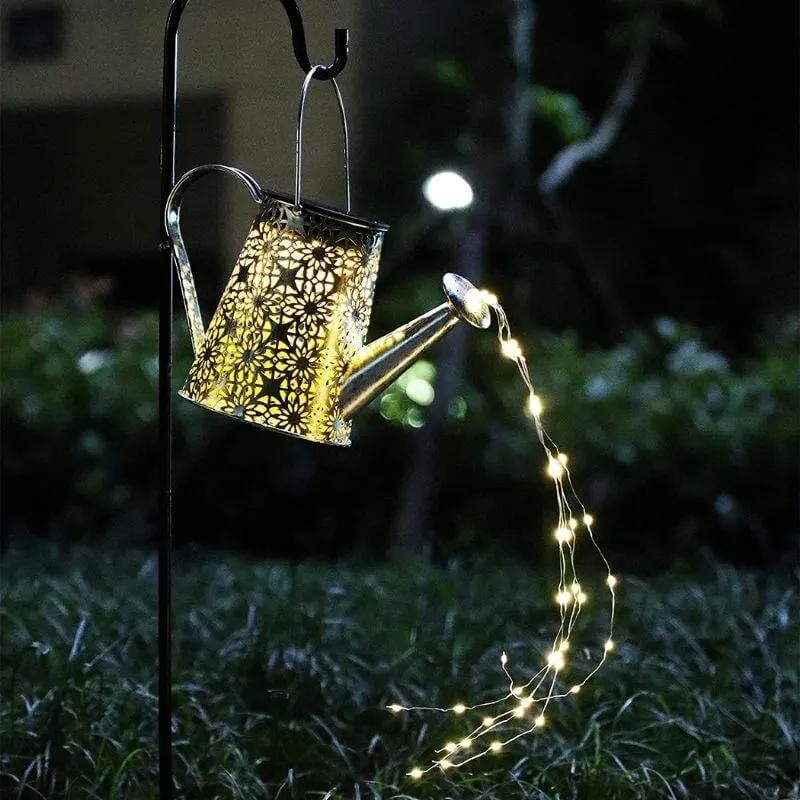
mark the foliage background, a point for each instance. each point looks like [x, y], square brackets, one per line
[674, 388]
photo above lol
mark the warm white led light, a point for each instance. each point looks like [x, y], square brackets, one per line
[474, 300]
[448, 191]
[535, 405]
[511, 349]
[556, 660]
[563, 598]
[540, 690]
[563, 535]
[416, 773]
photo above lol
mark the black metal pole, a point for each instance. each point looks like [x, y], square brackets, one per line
[169, 102]
[166, 296]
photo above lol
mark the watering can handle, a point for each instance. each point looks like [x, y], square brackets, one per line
[172, 217]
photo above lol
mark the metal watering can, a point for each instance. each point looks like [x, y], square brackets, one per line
[285, 348]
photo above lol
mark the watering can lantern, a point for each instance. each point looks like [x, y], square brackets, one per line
[285, 348]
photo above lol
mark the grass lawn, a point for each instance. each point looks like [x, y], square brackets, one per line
[282, 678]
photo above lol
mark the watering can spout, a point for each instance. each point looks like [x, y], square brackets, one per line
[379, 363]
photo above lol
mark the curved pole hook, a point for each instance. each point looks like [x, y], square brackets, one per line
[340, 43]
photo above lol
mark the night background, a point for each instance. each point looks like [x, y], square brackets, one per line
[634, 165]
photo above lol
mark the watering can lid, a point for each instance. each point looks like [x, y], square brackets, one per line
[331, 212]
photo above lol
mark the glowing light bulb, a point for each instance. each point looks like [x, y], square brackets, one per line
[448, 191]
[568, 594]
[394, 708]
[474, 301]
[511, 349]
[535, 405]
[556, 660]
[563, 598]
[415, 773]
[563, 535]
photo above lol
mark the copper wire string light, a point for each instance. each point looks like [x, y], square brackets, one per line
[523, 709]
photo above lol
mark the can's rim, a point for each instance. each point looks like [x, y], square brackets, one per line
[338, 215]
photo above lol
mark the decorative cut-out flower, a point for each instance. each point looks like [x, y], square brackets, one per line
[321, 264]
[248, 360]
[240, 400]
[292, 413]
[207, 365]
[308, 309]
[297, 360]
[254, 310]
[339, 431]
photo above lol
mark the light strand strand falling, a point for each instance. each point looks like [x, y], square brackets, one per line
[523, 708]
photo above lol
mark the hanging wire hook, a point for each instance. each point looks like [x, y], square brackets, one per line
[340, 43]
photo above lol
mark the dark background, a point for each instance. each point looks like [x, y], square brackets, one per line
[665, 273]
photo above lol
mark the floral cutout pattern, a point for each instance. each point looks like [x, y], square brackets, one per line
[292, 317]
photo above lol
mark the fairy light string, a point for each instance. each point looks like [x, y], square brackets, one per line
[522, 710]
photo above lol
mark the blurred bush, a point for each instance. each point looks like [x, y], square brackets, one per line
[669, 442]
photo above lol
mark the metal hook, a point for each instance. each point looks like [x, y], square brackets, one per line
[340, 43]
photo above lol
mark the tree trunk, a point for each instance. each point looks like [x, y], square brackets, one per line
[501, 118]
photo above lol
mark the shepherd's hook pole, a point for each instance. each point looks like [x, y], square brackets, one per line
[166, 298]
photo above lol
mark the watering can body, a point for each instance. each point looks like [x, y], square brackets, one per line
[285, 348]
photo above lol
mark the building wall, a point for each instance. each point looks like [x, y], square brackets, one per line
[238, 92]
[238, 53]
